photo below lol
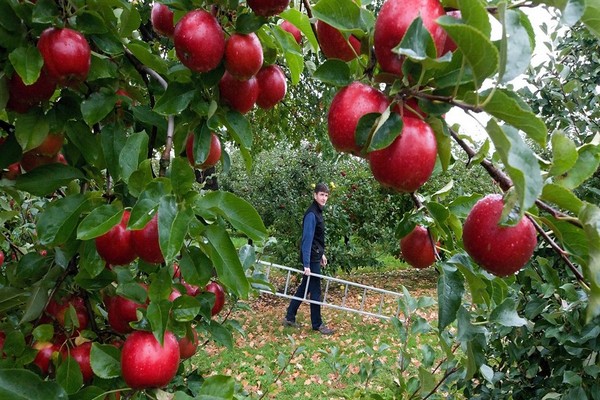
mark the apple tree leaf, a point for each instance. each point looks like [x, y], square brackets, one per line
[175, 99]
[148, 201]
[129, 20]
[220, 334]
[195, 266]
[450, 292]
[217, 387]
[182, 176]
[185, 308]
[97, 106]
[133, 153]
[142, 52]
[105, 360]
[239, 128]
[80, 135]
[564, 154]
[344, 15]
[292, 54]
[173, 225]
[417, 43]
[590, 217]
[90, 22]
[520, 162]
[225, 260]
[112, 140]
[506, 314]
[591, 17]
[474, 13]
[99, 221]
[27, 62]
[587, 163]
[302, 22]
[12, 387]
[158, 316]
[237, 211]
[45, 179]
[517, 44]
[68, 375]
[562, 197]
[31, 129]
[201, 144]
[334, 72]
[60, 218]
[387, 130]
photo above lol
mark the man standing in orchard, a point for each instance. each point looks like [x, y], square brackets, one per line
[312, 254]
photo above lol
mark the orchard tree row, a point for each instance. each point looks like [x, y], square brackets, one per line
[117, 260]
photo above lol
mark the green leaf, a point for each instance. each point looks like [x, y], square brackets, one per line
[590, 218]
[226, 261]
[345, 15]
[173, 225]
[31, 129]
[237, 211]
[248, 23]
[587, 163]
[450, 292]
[12, 387]
[291, 52]
[182, 176]
[591, 17]
[130, 20]
[44, 180]
[112, 140]
[444, 141]
[564, 154]
[133, 153]
[562, 197]
[475, 14]
[27, 62]
[506, 314]
[466, 330]
[387, 130]
[239, 128]
[195, 266]
[417, 43]
[90, 22]
[99, 221]
[176, 98]
[302, 22]
[220, 334]
[68, 375]
[147, 202]
[140, 178]
[518, 43]
[88, 144]
[59, 219]
[217, 387]
[105, 360]
[520, 162]
[158, 316]
[36, 302]
[334, 72]
[472, 44]
[185, 308]
[143, 52]
[508, 107]
[97, 106]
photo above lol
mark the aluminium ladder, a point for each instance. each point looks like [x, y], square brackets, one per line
[373, 302]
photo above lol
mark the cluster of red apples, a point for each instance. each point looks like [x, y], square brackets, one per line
[200, 45]
[408, 162]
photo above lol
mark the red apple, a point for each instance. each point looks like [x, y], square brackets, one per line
[191, 290]
[267, 8]
[121, 311]
[239, 95]
[392, 22]
[14, 170]
[145, 242]
[348, 106]
[44, 355]
[408, 162]
[334, 45]
[199, 41]
[51, 145]
[61, 159]
[187, 347]
[219, 293]
[243, 55]
[417, 249]
[1, 257]
[116, 246]
[214, 153]
[291, 28]
[145, 363]
[81, 354]
[22, 97]
[162, 20]
[272, 86]
[500, 250]
[66, 54]
[31, 160]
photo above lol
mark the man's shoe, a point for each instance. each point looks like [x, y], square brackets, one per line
[292, 324]
[323, 329]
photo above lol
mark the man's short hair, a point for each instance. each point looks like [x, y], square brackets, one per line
[321, 187]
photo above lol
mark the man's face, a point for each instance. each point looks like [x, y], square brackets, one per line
[321, 198]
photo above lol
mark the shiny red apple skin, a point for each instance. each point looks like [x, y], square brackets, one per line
[392, 22]
[121, 311]
[214, 153]
[408, 162]
[219, 293]
[51, 144]
[44, 355]
[348, 106]
[334, 45]
[268, 8]
[81, 354]
[31, 160]
[243, 55]
[22, 97]
[116, 246]
[416, 248]
[145, 363]
[239, 95]
[199, 41]
[272, 86]
[14, 170]
[187, 347]
[291, 28]
[66, 54]
[500, 250]
[161, 17]
[146, 243]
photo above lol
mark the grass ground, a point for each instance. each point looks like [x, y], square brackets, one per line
[275, 362]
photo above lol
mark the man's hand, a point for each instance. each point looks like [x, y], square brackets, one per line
[323, 260]
[306, 270]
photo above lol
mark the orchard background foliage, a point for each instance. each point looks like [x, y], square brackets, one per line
[97, 146]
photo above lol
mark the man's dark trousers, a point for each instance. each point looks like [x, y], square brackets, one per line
[314, 288]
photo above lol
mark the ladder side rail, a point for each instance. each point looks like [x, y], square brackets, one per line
[338, 280]
[287, 296]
